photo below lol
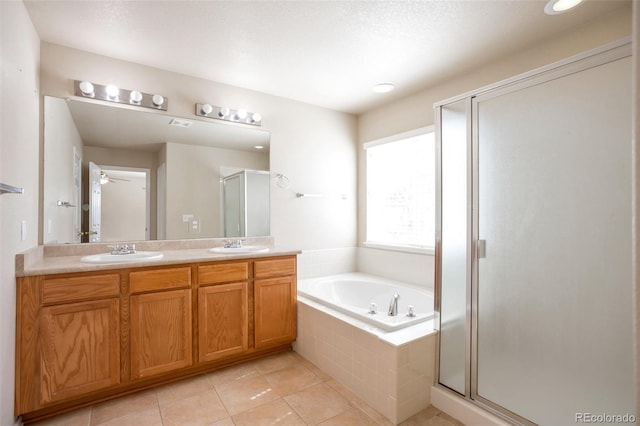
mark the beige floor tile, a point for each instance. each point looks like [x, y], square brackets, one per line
[312, 367]
[356, 401]
[224, 422]
[275, 362]
[352, 417]
[202, 409]
[423, 417]
[246, 393]
[434, 421]
[80, 417]
[450, 419]
[108, 410]
[292, 379]
[183, 389]
[317, 403]
[342, 390]
[229, 374]
[277, 412]
[139, 418]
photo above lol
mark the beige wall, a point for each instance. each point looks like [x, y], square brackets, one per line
[314, 147]
[58, 184]
[416, 111]
[19, 162]
[193, 185]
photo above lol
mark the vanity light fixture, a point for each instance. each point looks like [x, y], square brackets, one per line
[555, 7]
[112, 93]
[135, 97]
[227, 114]
[86, 88]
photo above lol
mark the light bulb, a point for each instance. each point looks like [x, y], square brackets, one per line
[224, 111]
[158, 100]
[255, 117]
[135, 96]
[86, 88]
[112, 91]
[241, 114]
[206, 109]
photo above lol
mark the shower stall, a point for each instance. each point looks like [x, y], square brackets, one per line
[245, 204]
[533, 252]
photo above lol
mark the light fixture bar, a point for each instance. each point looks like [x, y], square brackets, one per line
[228, 114]
[112, 93]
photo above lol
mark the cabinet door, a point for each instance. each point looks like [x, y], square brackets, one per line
[223, 321]
[160, 332]
[275, 305]
[80, 348]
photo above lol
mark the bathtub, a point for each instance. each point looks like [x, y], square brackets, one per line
[354, 293]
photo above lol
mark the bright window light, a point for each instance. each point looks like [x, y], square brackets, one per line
[401, 191]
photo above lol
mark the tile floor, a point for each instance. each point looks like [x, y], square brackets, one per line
[283, 389]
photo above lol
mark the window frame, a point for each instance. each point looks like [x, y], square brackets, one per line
[407, 248]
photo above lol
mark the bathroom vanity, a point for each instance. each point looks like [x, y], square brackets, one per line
[87, 333]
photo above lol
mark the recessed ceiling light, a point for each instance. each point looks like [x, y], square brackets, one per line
[259, 147]
[554, 7]
[383, 87]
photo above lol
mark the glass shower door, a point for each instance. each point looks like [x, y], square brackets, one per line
[552, 293]
[454, 231]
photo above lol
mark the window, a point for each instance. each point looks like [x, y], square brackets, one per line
[401, 191]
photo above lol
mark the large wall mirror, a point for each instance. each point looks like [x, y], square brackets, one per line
[119, 174]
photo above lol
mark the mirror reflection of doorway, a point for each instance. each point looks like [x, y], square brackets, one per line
[125, 203]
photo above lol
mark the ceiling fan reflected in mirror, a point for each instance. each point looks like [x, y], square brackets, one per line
[105, 178]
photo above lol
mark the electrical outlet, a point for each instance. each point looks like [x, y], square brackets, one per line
[194, 225]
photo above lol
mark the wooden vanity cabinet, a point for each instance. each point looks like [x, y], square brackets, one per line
[79, 349]
[160, 320]
[90, 336]
[223, 312]
[275, 301]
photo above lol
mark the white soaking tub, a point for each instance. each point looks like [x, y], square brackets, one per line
[354, 293]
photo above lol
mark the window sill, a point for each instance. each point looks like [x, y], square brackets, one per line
[405, 249]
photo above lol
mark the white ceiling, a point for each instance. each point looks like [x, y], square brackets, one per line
[327, 53]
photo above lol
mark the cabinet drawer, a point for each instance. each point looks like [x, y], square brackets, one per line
[160, 279]
[223, 272]
[55, 290]
[275, 267]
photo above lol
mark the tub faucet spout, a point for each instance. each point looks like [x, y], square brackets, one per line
[393, 306]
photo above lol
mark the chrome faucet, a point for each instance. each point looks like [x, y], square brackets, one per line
[232, 243]
[123, 249]
[393, 306]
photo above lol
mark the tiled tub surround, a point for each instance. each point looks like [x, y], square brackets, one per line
[63, 258]
[391, 371]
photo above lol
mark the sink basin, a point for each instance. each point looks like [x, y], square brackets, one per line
[121, 258]
[239, 250]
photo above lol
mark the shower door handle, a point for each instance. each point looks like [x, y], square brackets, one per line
[481, 248]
